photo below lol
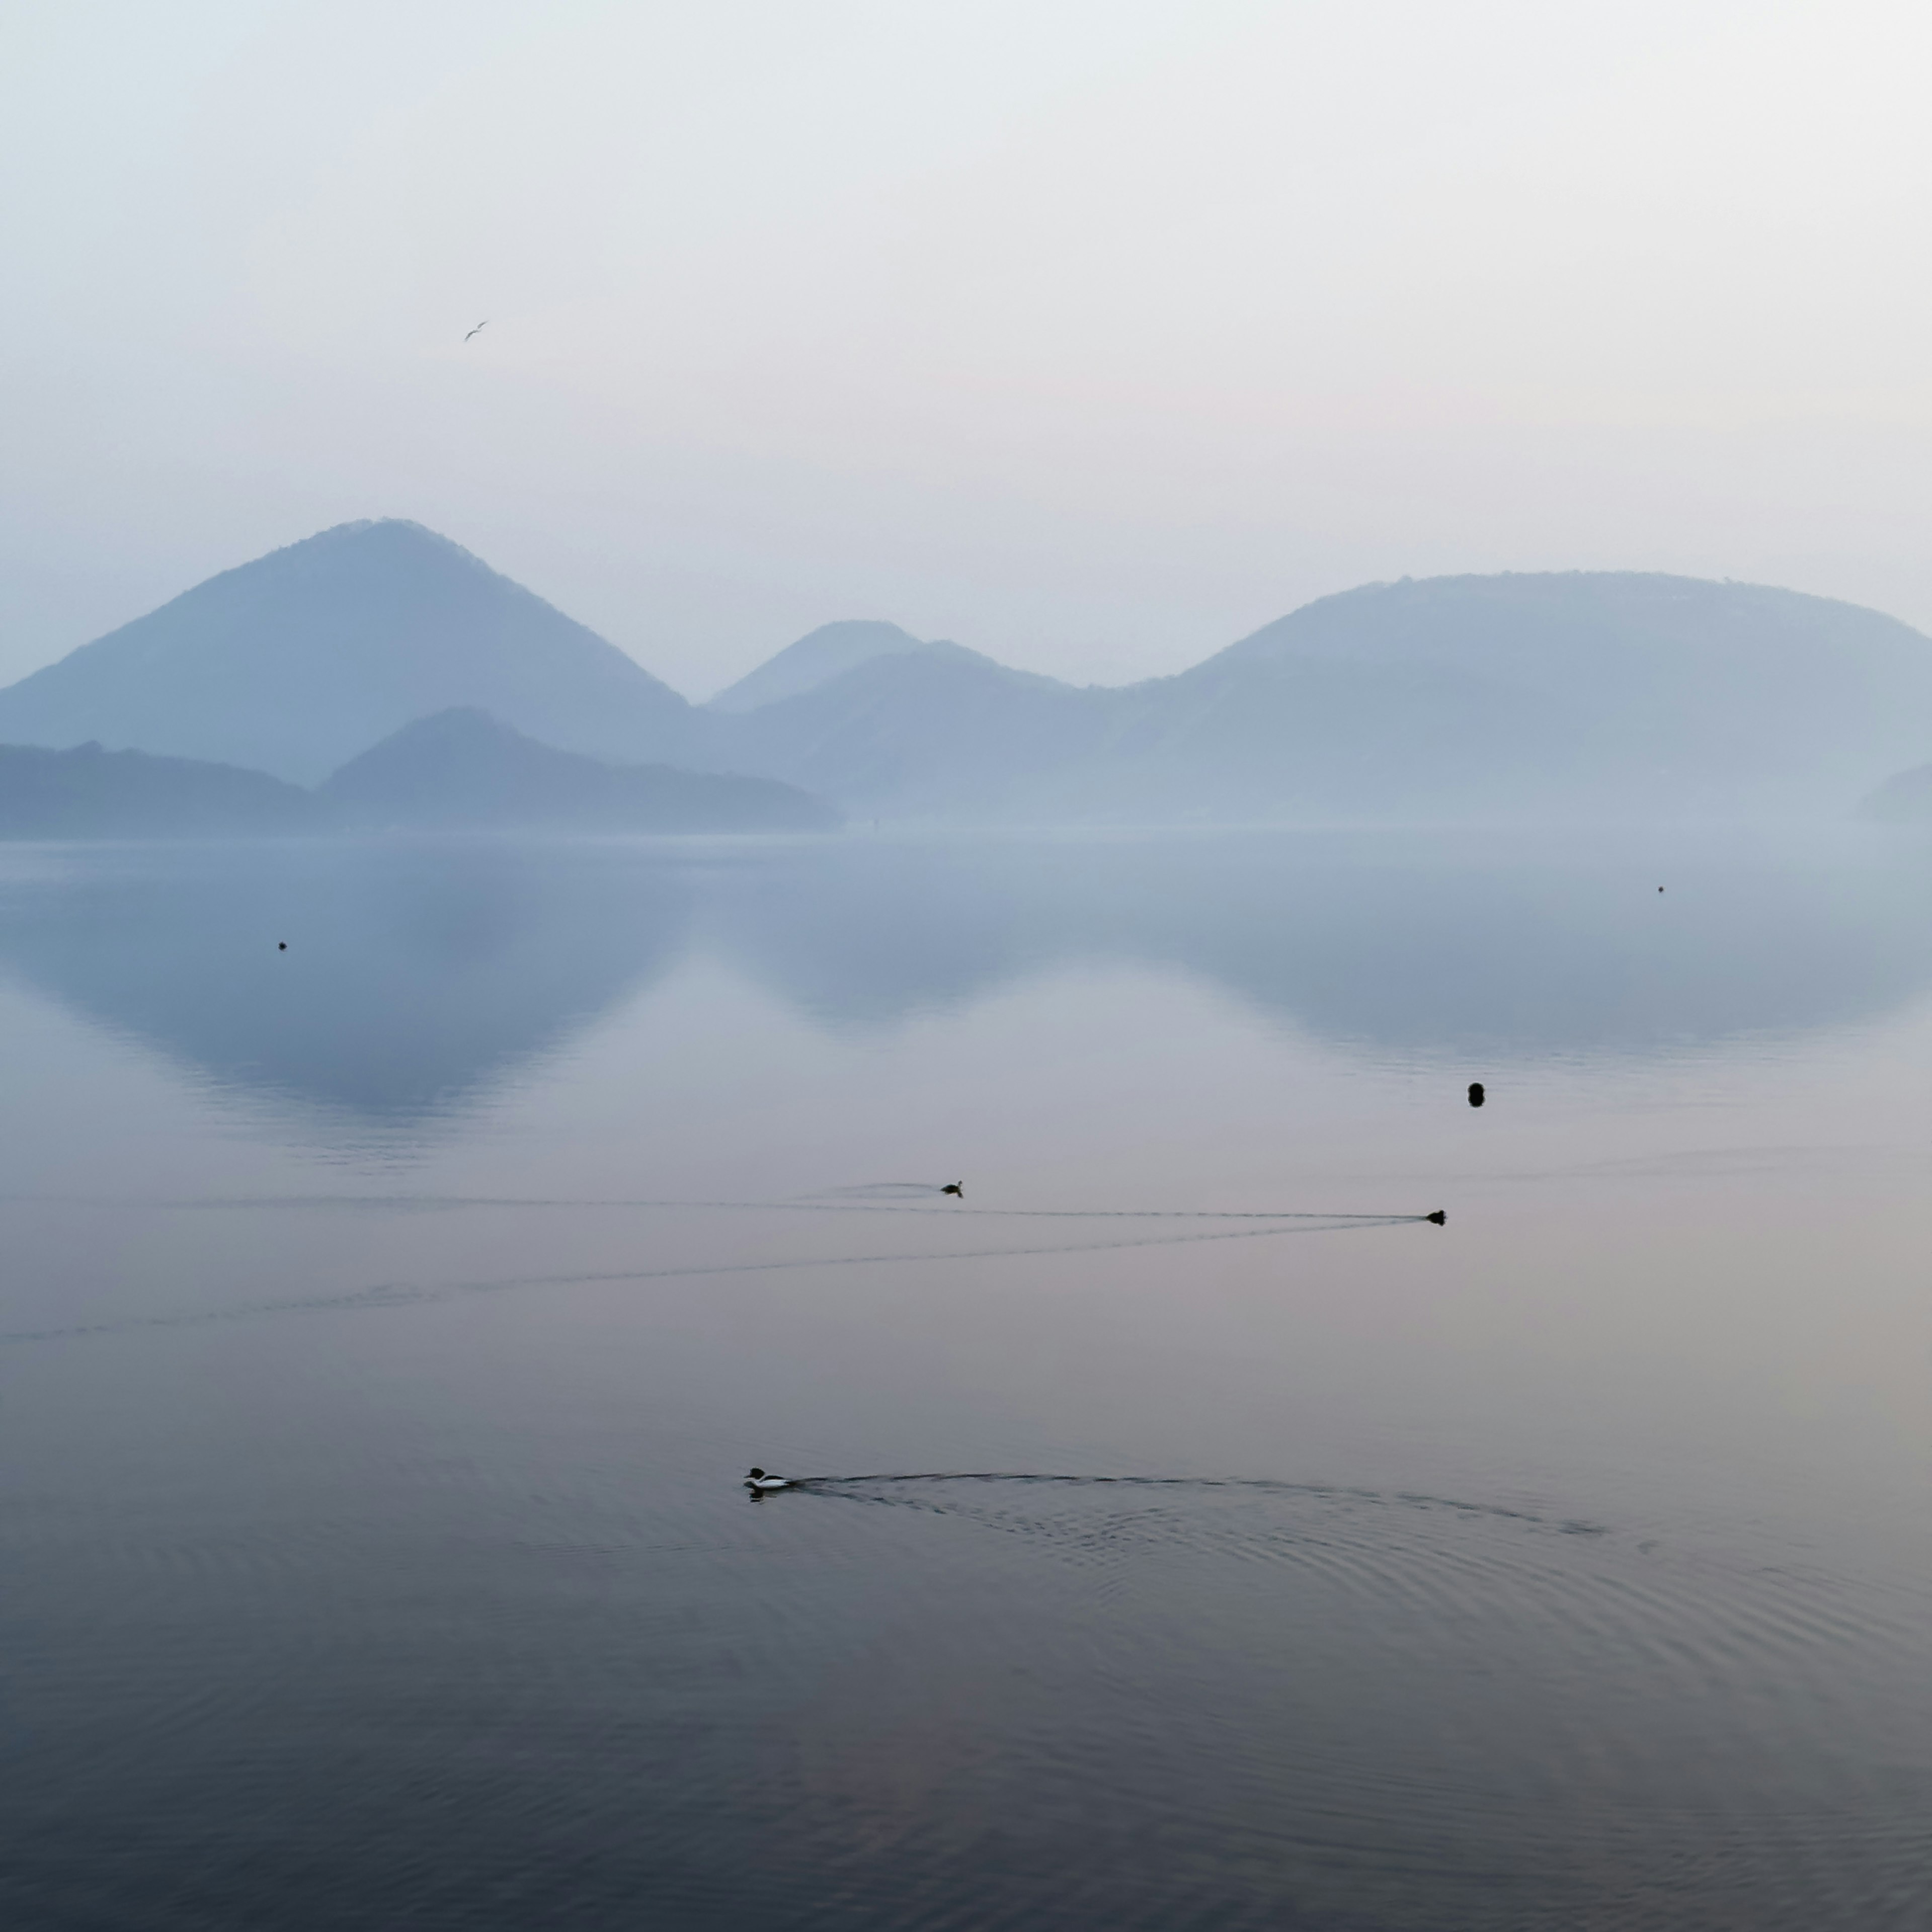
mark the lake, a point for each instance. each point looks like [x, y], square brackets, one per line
[1197, 1537]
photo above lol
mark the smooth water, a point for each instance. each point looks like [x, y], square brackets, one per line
[388, 1324]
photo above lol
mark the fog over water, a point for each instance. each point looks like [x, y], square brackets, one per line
[389, 1324]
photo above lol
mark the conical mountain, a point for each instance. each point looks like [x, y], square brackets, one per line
[297, 662]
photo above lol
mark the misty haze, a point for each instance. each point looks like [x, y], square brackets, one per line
[965, 971]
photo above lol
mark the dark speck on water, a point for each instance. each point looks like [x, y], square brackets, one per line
[1476, 1094]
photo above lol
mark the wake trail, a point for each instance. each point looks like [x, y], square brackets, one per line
[1265, 1485]
[403, 1294]
[239, 1203]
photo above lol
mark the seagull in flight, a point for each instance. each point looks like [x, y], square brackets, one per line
[478, 329]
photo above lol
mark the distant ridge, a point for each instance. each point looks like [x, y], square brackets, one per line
[940, 732]
[462, 768]
[459, 770]
[1623, 694]
[1577, 695]
[815, 659]
[87, 793]
[305, 657]
[1904, 798]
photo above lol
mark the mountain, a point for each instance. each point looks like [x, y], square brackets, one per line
[1905, 798]
[938, 731]
[1602, 695]
[87, 793]
[1582, 695]
[1596, 693]
[460, 768]
[463, 768]
[816, 659]
[305, 657]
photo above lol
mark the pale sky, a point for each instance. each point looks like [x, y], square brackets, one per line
[1092, 335]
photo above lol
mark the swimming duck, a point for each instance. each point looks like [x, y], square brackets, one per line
[760, 1484]
[953, 1187]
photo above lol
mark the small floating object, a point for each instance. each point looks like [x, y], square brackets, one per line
[1440, 1217]
[760, 1484]
[281, 946]
[954, 1187]
[1476, 1095]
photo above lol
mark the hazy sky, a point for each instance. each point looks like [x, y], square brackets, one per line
[1092, 335]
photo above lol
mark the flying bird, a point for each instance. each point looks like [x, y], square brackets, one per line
[478, 329]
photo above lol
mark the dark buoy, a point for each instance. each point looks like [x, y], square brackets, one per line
[1440, 1217]
[1475, 1092]
[281, 946]
[953, 1187]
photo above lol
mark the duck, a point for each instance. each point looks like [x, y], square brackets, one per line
[953, 1187]
[760, 1484]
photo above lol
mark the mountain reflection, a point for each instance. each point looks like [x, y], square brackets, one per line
[419, 978]
[414, 978]
[1413, 944]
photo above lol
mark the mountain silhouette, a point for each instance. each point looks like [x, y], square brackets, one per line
[463, 768]
[938, 732]
[1904, 798]
[88, 793]
[1591, 695]
[1582, 695]
[460, 769]
[301, 660]
[1595, 694]
[822, 655]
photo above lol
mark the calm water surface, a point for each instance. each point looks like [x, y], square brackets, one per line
[387, 1324]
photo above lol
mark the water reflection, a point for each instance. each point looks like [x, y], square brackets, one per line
[1418, 943]
[1575, 1574]
[417, 979]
